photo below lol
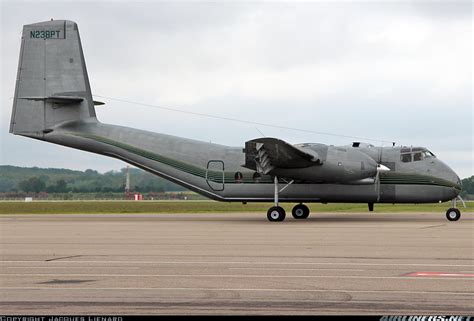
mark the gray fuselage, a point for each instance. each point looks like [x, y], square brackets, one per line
[216, 171]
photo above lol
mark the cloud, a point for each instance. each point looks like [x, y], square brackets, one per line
[282, 52]
[395, 71]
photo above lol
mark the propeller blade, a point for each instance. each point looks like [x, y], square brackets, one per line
[377, 185]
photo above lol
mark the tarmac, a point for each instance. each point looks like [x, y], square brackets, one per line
[217, 264]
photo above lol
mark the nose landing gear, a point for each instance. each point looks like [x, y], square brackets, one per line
[453, 214]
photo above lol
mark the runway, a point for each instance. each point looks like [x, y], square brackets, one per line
[331, 263]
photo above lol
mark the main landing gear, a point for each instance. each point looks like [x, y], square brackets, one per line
[300, 211]
[277, 213]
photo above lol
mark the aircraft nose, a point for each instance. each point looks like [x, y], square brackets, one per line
[454, 178]
[456, 183]
[443, 171]
[458, 180]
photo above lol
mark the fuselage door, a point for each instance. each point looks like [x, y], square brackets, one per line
[215, 175]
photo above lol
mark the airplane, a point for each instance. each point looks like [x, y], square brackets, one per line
[53, 103]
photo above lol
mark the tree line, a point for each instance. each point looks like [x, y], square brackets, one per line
[54, 180]
[468, 187]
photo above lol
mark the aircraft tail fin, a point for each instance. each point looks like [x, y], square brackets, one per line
[52, 86]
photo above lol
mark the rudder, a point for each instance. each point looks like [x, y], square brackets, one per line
[52, 85]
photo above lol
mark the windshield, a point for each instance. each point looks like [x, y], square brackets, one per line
[414, 154]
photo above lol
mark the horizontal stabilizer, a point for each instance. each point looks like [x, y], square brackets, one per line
[66, 100]
[265, 154]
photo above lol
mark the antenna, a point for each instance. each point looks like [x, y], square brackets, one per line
[261, 133]
[240, 120]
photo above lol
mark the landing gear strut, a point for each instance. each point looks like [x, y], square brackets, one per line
[453, 214]
[276, 213]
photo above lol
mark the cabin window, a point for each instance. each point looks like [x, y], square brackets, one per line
[238, 177]
[257, 177]
[406, 158]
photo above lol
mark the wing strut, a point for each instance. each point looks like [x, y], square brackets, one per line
[287, 184]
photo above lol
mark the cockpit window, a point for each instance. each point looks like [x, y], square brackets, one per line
[418, 156]
[419, 153]
[406, 158]
[427, 154]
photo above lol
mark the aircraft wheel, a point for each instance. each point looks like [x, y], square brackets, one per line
[453, 214]
[300, 211]
[276, 214]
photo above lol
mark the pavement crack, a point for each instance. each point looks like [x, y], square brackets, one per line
[57, 281]
[62, 258]
[431, 226]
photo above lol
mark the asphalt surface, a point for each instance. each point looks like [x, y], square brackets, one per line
[331, 263]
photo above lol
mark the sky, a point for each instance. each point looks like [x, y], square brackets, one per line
[388, 71]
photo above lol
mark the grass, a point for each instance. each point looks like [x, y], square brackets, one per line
[104, 207]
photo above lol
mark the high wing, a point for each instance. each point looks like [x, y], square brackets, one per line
[265, 154]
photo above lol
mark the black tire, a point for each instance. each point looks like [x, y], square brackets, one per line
[453, 214]
[300, 211]
[276, 214]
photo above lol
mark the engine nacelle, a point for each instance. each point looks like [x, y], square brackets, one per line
[338, 165]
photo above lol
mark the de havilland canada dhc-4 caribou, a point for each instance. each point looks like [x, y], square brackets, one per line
[53, 102]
